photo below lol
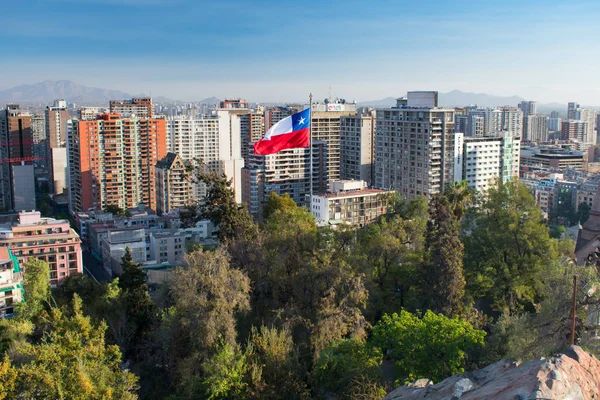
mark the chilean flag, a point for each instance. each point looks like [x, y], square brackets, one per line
[290, 133]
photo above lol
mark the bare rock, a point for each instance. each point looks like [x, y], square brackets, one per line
[573, 375]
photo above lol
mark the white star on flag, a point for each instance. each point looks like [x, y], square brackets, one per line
[301, 121]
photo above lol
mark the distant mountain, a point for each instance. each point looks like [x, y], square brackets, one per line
[456, 98]
[210, 100]
[387, 102]
[48, 91]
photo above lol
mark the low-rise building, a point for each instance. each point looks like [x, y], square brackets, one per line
[349, 202]
[46, 239]
[11, 282]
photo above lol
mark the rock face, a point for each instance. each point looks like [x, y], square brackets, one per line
[573, 375]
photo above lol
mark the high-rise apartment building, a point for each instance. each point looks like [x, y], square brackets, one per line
[536, 128]
[139, 107]
[112, 161]
[528, 108]
[357, 133]
[325, 126]
[38, 132]
[173, 184]
[252, 129]
[17, 182]
[486, 158]
[233, 104]
[574, 129]
[276, 114]
[215, 140]
[572, 108]
[57, 121]
[415, 147]
[512, 121]
[285, 172]
[554, 124]
[88, 113]
[588, 116]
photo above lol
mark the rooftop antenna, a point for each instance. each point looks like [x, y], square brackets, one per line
[329, 92]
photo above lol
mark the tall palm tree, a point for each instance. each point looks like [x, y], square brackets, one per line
[460, 196]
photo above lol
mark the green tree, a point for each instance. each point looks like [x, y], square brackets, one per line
[275, 202]
[583, 212]
[203, 299]
[305, 285]
[442, 270]
[36, 282]
[225, 374]
[71, 361]
[116, 210]
[433, 346]
[220, 206]
[344, 366]
[139, 308]
[275, 369]
[508, 246]
[460, 196]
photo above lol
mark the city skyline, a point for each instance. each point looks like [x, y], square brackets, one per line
[279, 52]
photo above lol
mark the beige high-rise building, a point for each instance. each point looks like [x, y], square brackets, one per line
[57, 122]
[139, 107]
[415, 148]
[325, 126]
[173, 184]
[536, 129]
[285, 172]
[356, 147]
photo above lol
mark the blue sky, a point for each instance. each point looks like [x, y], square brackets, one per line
[279, 51]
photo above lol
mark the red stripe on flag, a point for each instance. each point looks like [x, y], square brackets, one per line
[292, 140]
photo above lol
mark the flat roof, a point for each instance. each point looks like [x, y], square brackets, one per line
[353, 193]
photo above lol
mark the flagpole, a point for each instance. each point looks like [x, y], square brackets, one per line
[310, 150]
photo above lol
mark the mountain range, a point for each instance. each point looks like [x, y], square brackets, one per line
[47, 91]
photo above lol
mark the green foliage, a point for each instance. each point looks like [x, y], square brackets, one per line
[433, 346]
[344, 363]
[548, 327]
[460, 196]
[71, 361]
[507, 248]
[388, 252]
[220, 207]
[275, 370]
[305, 284]
[225, 374]
[442, 270]
[278, 203]
[36, 282]
[556, 232]
[116, 210]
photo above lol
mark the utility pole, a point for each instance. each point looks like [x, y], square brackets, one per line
[574, 310]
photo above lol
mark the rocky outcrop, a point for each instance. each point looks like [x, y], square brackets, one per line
[572, 375]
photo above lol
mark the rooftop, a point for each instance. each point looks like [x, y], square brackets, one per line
[355, 193]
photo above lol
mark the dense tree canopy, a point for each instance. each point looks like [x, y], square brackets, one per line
[286, 309]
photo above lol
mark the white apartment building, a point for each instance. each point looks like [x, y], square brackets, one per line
[356, 147]
[415, 146]
[325, 126]
[215, 140]
[484, 159]
[536, 128]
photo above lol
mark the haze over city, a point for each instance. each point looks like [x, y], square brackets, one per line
[279, 51]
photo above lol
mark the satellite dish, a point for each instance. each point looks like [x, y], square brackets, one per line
[326, 101]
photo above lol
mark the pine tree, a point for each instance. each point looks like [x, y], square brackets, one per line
[444, 282]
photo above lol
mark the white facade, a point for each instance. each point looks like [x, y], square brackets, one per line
[215, 140]
[484, 159]
[356, 147]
